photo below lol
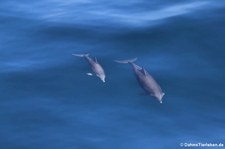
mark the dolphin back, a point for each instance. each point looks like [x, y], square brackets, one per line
[126, 61]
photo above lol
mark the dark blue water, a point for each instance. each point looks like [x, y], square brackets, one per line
[48, 102]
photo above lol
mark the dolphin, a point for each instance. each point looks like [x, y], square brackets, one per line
[146, 81]
[95, 66]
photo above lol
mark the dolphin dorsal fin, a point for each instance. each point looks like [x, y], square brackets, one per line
[96, 60]
[144, 71]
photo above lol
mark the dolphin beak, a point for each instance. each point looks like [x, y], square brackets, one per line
[103, 80]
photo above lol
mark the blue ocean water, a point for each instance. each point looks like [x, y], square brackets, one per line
[47, 100]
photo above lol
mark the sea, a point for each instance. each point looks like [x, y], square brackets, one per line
[47, 100]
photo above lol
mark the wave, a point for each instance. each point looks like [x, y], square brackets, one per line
[98, 13]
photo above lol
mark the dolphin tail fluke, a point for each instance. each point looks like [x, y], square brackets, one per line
[80, 55]
[126, 61]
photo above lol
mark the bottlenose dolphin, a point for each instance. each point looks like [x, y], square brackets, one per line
[95, 66]
[146, 81]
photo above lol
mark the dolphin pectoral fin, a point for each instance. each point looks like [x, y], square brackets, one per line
[89, 74]
[144, 71]
[163, 94]
[80, 55]
[126, 61]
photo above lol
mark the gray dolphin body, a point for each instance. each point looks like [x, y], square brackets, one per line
[146, 81]
[95, 66]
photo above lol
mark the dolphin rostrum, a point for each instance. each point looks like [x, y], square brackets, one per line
[146, 81]
[95, 66]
